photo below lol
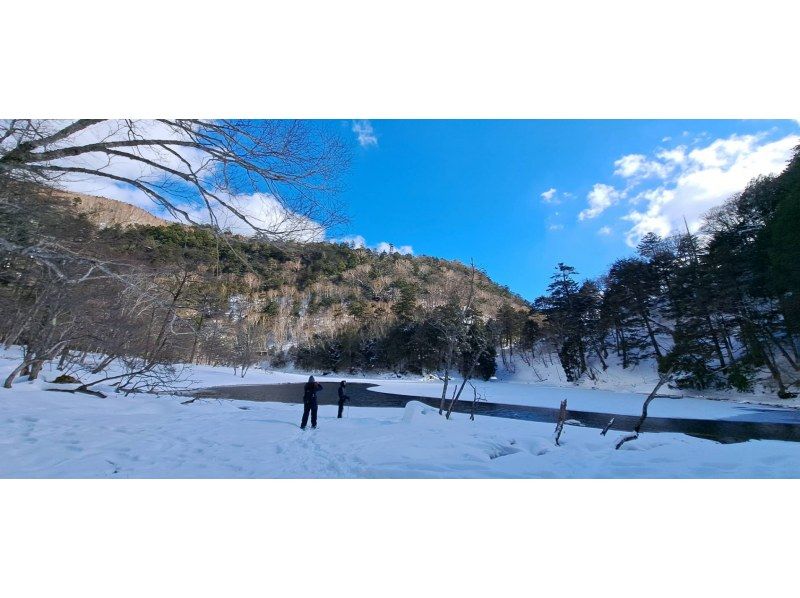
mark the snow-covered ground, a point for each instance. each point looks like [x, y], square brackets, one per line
[49, 434]
[639, 379]
[597, 400]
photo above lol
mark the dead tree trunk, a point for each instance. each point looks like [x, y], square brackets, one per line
[466, 379]
[475, 398]
[562, 417]
[661, 381]
[31, 360]
[16, 372]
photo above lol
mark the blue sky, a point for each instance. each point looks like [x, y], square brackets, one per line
[483, 190]
[515, 196]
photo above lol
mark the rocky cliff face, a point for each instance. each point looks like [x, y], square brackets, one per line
[104, 212]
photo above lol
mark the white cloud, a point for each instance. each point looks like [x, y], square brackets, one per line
[554, 197]
[703, 178]
[604, 231]
[629, 165]
[359, 242]
[650, 221]
[264, 212]
[601, 197]
[384, 247]
[638, 166]
[549, 195]
[354, 241]
[365, 133]
[676, 155]
[555, 227]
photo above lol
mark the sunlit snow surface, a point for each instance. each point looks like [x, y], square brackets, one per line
[55, 435]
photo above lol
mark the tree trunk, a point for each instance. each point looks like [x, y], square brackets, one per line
[16, 372]
[714, 338]
[769, 360]
[63, 360]
[36, 368]
[643, 313]
[31, 359]
[783, 351]
[196, 340]
[624, 345]
[562, 417]
[602, 361]
[444, 390]
[661, 381]
[474, 402]
[466, 379]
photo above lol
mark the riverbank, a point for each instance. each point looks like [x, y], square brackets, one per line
[740, 423]
[57, 435]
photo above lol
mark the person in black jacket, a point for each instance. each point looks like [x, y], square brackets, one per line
[342, 398]
[310, 402]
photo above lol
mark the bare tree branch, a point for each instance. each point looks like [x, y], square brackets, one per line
[184, 165]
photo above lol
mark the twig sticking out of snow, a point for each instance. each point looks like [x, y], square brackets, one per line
[608, 426]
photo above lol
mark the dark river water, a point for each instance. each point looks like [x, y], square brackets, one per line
[725, 431]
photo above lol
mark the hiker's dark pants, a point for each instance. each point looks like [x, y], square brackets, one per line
[341, 408]
[309, 406]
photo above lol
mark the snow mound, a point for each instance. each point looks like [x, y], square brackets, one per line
[413, 410]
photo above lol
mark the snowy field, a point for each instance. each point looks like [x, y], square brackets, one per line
[60, 435]
[635, 379]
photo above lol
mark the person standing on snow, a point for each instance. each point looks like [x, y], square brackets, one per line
[342, 398]
[310, 402]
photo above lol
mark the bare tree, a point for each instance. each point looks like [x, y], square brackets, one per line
[476, 397]
[249, 343]
[476, 345]
[451, 322]
[447, 321]
[196, 170]
[663, 379]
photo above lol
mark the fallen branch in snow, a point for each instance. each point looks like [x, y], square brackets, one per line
[81, 389]
[661, 381]
[608, 425]
[562, 417]
[625, 439]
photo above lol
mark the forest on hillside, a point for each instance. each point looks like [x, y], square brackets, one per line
[152, 296]
[713, 308]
